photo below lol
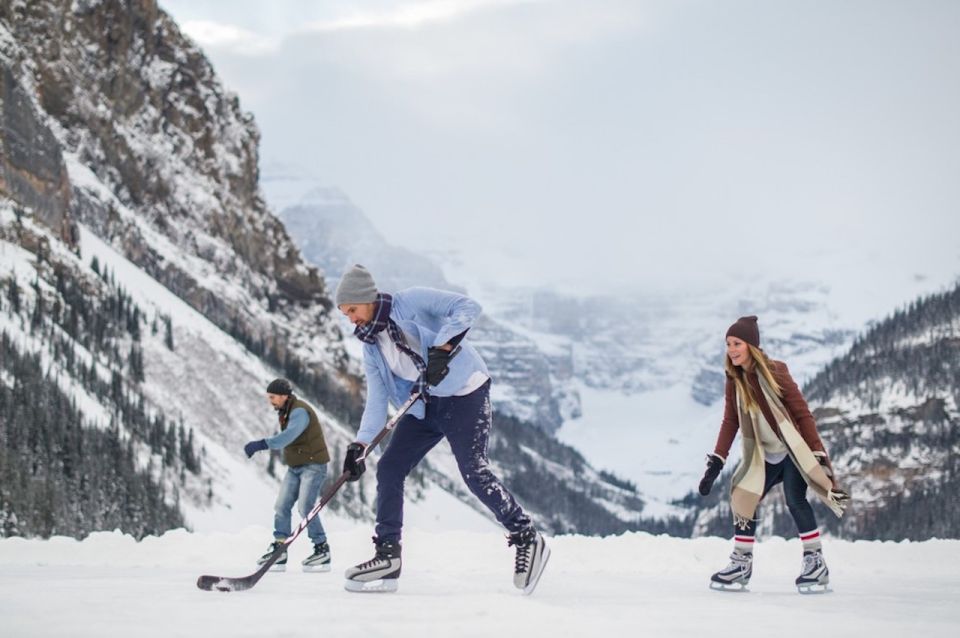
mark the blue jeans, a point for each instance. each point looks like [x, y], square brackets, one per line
[795, 493]
[301, 485]
[465, 422]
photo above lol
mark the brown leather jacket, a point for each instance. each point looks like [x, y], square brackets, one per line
[792, 400]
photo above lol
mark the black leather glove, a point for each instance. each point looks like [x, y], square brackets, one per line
[714, 465]
[438, 365]
[351, 464]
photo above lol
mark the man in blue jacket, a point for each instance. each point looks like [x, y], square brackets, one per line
[414, 341]
[306, 457]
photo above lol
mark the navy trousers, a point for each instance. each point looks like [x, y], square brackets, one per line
[465, 422]
[795, 493]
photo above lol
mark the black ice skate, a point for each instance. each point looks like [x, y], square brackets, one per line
[380, 573]
[736, 575]
[281, 564]
[319, 560]
[814, 575]
[532, 557]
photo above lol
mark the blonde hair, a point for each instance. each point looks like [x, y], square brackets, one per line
[762, 363]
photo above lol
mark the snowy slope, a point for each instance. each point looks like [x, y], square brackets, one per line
[458, 583]
[218, 388]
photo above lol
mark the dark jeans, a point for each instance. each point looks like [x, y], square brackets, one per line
[795, 492]
[465, 422]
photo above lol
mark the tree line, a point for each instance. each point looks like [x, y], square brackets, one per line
[60, 473]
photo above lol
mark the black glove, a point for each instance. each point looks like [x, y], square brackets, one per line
[714, 465]
[253, 447]
[438, 365]
[353, 465]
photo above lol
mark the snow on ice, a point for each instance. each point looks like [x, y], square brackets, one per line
[458, 583]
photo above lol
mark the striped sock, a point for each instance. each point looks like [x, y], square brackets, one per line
[743, 544]
[810, 540]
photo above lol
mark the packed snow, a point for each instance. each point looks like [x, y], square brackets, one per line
[458, 582]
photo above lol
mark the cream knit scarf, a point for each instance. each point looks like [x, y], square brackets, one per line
[750, 475]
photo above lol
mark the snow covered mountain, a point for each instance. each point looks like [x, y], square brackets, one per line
[334, 234]
[129, 199]
[151, 294]
[635, 380]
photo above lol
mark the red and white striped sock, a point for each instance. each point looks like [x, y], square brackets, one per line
[743, 544]
[810, 540]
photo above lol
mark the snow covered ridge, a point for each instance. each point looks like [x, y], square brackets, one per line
[73, 409]
[162, 164]
[133, 358]
[458, 583]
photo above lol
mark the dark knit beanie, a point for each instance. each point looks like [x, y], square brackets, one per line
[356, 286]
[280, 386]
[745, 328]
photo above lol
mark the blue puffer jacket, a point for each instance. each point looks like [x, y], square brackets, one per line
[432, 317]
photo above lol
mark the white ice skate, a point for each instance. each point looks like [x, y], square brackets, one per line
[281, 564]
[319, 560]
[532, 556]
[814, 575]
[379, 574]
[736, 576]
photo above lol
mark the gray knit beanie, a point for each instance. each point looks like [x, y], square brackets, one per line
[356, 286]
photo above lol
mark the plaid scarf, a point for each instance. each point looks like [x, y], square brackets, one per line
[283, 412]
[749, 477]
[368, 332]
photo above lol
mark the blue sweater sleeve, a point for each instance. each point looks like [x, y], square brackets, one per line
[299, 420]
[452, 313]
[375, 409]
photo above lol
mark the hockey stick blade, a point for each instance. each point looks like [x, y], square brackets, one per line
[225, 583]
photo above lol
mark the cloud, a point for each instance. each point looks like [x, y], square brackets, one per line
[230, 38]
[649, 140]
[411, 15]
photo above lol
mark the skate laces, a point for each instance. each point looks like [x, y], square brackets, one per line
[523, 557]
[373, 561]
[383, 555]
[739, 561]
[523, 541]
[810, 562]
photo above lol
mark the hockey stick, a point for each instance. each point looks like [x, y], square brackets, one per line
[224, 583]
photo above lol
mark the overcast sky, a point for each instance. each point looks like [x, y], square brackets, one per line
[606, 142]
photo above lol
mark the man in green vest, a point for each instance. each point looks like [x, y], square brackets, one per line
[305, 454]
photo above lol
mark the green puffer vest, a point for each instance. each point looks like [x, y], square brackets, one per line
[309, 447]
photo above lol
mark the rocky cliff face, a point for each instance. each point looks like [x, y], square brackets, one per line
[135, 107]
[114, 127]
[31, 165]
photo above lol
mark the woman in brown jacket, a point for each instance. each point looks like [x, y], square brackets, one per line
[780, 444]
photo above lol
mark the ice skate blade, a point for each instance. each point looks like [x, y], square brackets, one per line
[814, 589]
[384, 585]
[735, 588]
[536, 579]
[278, 568]
[310, 569]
